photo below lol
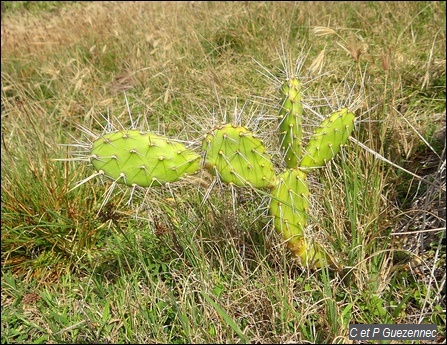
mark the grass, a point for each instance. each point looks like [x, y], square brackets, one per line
[171, 268]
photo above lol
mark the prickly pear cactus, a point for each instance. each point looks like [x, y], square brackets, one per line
[290, 127]
[237, 156]
[327, 139]
[145, 159]
[288, 207]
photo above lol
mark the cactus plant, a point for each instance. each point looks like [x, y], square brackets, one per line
[145, 159]
[237, 156]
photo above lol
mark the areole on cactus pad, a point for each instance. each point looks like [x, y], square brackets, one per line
[145, 159]
[237, 156]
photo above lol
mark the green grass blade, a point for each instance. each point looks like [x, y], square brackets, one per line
[227, 318]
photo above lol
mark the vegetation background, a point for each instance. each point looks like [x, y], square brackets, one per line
[75, 272]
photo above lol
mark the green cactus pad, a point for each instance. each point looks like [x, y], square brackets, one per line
[290, 127]
[288, 207]
[145, 159]
[237, 156]
[328, 138]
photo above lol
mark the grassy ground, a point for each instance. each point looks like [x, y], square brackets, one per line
[171, 268]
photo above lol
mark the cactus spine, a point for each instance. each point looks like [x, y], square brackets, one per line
[290, 127]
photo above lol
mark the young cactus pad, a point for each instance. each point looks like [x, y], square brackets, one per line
[290, 127]
[145, 159]
[237, 156]
[288, 207]
[310, 254]
[328, 138]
